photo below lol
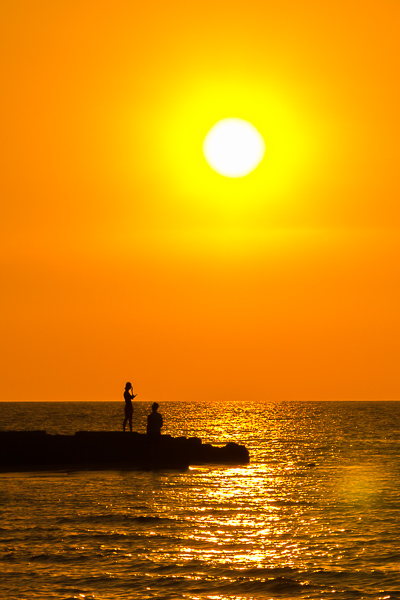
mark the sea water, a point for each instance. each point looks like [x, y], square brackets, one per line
[314, 515]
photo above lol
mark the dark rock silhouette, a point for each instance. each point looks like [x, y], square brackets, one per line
[38, 450]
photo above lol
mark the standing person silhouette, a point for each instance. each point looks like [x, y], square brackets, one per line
[129, 396]
[154, 421]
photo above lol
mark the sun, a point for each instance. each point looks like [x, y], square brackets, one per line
[233, 147]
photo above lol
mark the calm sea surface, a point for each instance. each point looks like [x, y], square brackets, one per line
[316, 513]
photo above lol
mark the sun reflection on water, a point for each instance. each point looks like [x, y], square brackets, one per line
[263, 515]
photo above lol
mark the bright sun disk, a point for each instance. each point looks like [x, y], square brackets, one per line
[233, 147]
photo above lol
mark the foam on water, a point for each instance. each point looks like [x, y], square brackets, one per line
[316, 512]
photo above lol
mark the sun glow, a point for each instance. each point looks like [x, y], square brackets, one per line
[233, 147]
[192, 190]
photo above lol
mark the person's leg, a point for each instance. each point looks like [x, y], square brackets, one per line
[125, 422]
[130, 422]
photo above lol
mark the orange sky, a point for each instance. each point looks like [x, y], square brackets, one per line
[125, 257]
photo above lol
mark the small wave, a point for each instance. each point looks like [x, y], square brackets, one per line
[145, 519]
[10, 557]
[219, 573]
[291, 503]
[283, 584]
[64, 557]
[78, 593]
[86, 597]
[266, 572]
[393, 557]
[106, 536]
[112, 518]
[237, 586]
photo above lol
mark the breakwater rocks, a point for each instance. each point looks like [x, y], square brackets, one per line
[38, 450]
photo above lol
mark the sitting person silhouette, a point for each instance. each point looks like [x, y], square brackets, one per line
[129, 396]
[154, 421]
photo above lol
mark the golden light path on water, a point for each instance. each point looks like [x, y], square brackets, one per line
[237, 538]
[256, 515]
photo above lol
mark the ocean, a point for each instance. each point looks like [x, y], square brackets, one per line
[316, 513]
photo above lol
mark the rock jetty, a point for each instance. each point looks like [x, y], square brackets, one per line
[38, 450]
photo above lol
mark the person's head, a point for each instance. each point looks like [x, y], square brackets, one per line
[128, 385]
[154, 406]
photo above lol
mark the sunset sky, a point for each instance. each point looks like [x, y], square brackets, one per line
[124, 256]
